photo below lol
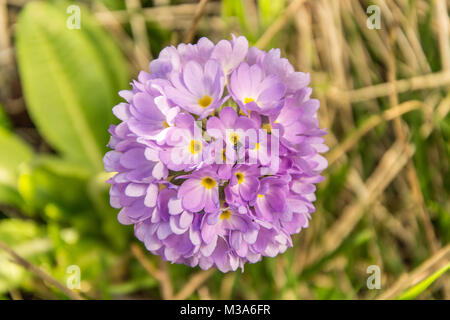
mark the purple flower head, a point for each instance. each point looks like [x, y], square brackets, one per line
[217, 156]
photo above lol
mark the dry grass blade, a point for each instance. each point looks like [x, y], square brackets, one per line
[432, 80]
[41, 274]
[443, 32]
[139, 30]
[439, 259]
[160, 276]
[193, 283]
[113, 25]
[371, 123]
[279, 23]
[401, 134]
[198, 15]
[390, 165]
[4, 33]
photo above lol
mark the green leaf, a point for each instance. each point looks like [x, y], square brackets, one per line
[234, 8]
[28, 240]
[16, 152]
[237, 9]
[70, 79]
[40, 185]
[4, 121]
[423, 285]
[269, 10]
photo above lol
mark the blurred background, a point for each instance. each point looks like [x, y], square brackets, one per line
[381, 70]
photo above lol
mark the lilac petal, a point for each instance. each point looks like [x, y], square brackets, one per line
[122, 112]
[194, 236]
[163, 231]
[208, 249]
[174, 226]
[192, 194]
[249, 187]
[152, 243]
[123, 218]
[135, 189]
[110, 161]
[228, 117]
[192, 75]
[175, 207]
[186, 219]
[133, 158]
[159, 171]
[208, 232]
[151, 196]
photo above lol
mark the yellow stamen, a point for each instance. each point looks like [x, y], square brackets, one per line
[165, 124]
[260, 195]
[225, 215]
[242, 113]
[234, 138]
[205, 101]
[208, 182]
[239, 176]
[256, 146]
[195, 146]
[267, 126]
[248, 100]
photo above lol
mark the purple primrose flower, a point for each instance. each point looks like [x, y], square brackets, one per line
[217, 154]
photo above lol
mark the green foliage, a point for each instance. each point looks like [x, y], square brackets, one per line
[70, 80]
[263, 14]
[269, 10]
[54, 206]
[4, 121]
[424, 284]
[27, 239]
[18, 153]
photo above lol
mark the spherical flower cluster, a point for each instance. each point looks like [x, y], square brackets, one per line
[217, 155]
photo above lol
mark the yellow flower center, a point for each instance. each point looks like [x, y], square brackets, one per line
[234, 138]
[195, 146]
[205, 101]
[239, 176]
[256, 146]
[267, 127]
[224, 155]
[208, 182]
[248, 100]
[225, 215]
[260, 195]
[165, 124]
[242, 113]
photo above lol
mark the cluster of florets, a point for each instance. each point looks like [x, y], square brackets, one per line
[217, 154]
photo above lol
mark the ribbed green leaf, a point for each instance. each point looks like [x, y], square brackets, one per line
[70, 79]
